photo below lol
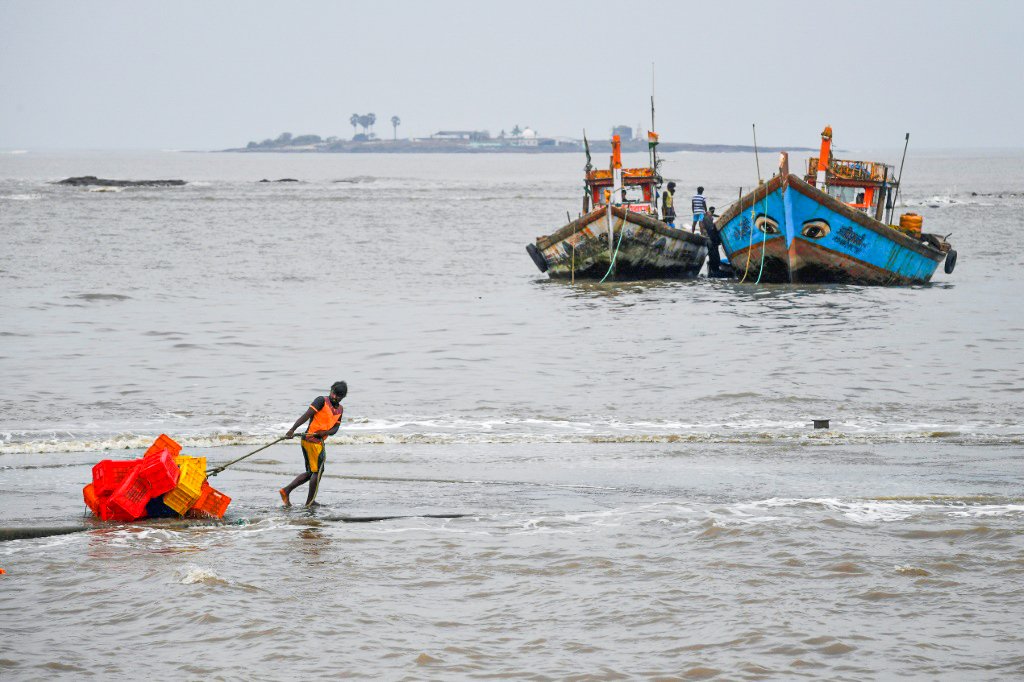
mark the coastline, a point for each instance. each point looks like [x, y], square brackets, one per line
[423, 146]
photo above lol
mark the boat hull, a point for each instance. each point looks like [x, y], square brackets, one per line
[641, 246]
[808, 236]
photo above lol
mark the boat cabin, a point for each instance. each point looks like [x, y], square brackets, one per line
[862, 185]
[632, 188]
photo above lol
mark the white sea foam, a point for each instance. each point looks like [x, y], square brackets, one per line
[937, 201]
[448, 431]
[198, 574]
[869, 511]
[20, 197]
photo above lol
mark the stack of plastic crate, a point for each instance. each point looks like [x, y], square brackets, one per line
[122, 489]
[164, 483]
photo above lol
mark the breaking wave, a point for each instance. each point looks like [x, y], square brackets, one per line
[199, 575]
[442, 431]
[881, 510]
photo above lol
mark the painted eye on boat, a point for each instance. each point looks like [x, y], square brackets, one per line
[816, 229]
[766, 224]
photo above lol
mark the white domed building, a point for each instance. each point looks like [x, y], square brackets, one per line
[528, 138]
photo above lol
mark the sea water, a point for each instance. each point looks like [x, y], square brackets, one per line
[643, 493]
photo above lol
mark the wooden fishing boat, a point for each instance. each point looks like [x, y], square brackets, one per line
[619, 235]
[828, 227]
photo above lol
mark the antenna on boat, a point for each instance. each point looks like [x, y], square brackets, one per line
[652, 137]
[586, 174]
[899, 178]
[757, 159]
[586, 148]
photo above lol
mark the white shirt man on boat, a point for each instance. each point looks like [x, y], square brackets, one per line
[700, 207]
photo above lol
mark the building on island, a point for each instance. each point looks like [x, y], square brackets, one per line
[470, 135]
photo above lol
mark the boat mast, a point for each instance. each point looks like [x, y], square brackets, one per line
[880, 206]
[823, 154]
[757, 158]
[653, 147]
[899, 178]
[586, 175]
[654, 152]
[616, 197]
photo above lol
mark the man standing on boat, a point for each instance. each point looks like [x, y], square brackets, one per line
[709, 230]
[668, 205]
[324, 417]
[700, 207]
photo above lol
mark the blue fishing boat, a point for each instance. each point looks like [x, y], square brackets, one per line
[828, 227]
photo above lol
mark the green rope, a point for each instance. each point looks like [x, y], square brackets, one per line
[763, 239]
[622, 230]
[750, 241]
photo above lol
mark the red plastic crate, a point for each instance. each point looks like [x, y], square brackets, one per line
[159, 472]
[129, 501]
[108, 475]
[108, 514]
[211, 502]
[164, 442]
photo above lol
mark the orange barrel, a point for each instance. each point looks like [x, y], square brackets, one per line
[911, 223]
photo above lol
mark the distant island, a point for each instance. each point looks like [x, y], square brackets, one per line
[517, 141]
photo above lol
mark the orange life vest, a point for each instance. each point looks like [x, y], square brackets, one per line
[324, 419]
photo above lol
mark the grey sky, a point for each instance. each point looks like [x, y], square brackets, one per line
[212, 74]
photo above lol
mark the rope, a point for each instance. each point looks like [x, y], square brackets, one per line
[622, 231]
[763, 239]
[217, 470]
[573, 270]
[750, 242]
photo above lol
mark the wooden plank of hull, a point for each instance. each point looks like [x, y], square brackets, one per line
[776, 261]
[813, 263]
[649, 248]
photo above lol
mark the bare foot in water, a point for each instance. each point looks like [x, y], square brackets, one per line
[284, 497]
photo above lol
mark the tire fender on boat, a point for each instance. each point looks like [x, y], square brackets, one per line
[950, 262]
[537, 256]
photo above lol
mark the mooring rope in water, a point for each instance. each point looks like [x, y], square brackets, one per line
[764, 239]
[750, 242]
[611, 266]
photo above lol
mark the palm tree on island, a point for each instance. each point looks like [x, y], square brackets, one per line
[395, 122]
[354, 120]
[371, 119]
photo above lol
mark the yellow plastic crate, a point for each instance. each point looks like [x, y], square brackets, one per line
[190, 483]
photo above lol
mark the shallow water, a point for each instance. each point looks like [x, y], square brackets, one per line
[644, 494]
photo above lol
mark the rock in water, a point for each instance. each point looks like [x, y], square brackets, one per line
[87, 180]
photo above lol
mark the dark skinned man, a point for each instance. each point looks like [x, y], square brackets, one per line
[324, 417]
